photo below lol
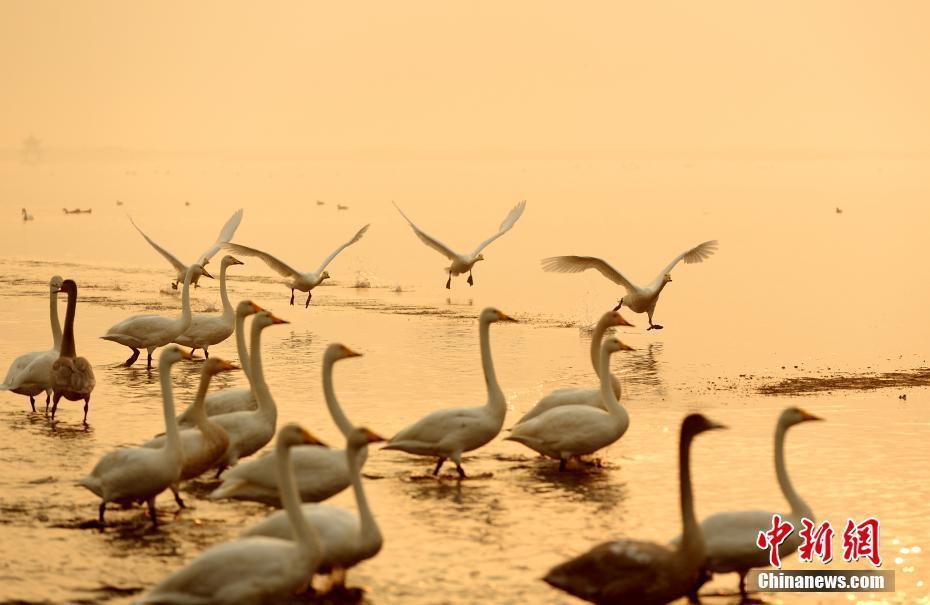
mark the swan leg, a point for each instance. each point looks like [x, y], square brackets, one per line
[439, 464]
[206, 354]
[219, 470]
[177, 496]
[132, 358]
[55, 399]
[48, 398]
[309, 296]
[86, 405]
[152, 513]
[148, 364]
[100, 513]
[470, 280]
[562, 463]
[461, 471]
[652, 326]
[619, 304]
[292, 296]
[449, 282]
[32, 402]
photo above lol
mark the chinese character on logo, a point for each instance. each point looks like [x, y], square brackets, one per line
[861, 541]
[773, 538]
[819, 541]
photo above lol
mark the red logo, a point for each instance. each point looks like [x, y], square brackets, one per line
[861, 541]
[817, 541]
[773, 538]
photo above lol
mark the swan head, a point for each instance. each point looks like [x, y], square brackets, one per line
[202, 270]
[667, 279]
[247, 307]
[324, 275]
[694, 424]
[613, 344]
[792, 416]
[173, 354]
[613, 318]
[361, 436]
[214, 365]
[491, 315]
[228, 260]
[293, 434]
[337, 351]
[267, 318]
[68, 286]
[54, 284]
[479, 257]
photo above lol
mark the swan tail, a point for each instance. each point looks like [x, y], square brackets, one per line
[110, 337]
[92, 483]
[227, 490]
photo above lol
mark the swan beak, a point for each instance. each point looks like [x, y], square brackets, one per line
[255, 308]
[235, 261]
[226, 366]
[505, 317]
[625, 347]
[277, 320]
[310, 439]
[204, 272]
[713, 426]
[621, 321]
[372, 436]
[350, 353]
[185, 354]
[809, 416]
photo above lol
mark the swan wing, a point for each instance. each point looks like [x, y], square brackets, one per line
[354, 239]
[515, 213]
[226, 234]
[577, 264]
[282, 268]
[427, 239]
[171, 258]
[694, 255]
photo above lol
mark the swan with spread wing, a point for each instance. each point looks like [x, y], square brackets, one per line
[638, 298]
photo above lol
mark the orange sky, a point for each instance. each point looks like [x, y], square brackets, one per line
[466, 75]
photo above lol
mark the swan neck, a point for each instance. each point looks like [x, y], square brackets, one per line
[197, 408]
[228, 311]
[67, 337]
[306, 537]
[607, 387]
[599, 330]
[495, 394]
[185, 319]
[691, 532]
[53, 318]
[241, 348]
[173, 439]
[369, 527]
[798, 506]
[329, 393]
[266, 404]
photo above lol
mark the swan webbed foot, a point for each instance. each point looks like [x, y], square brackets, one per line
[174, 285]
[32, 402]
[470, 280]
[292, 296]
[654, 327]
[439, 464]
[132, 358]
[309, 296]
[178, 499]
[619, 304]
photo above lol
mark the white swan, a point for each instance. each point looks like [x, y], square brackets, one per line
[230, 400]
[201, 447]
[152, 331]
[226, 234]
[346, 538]
[296, 280]
[321, 472]
[72, 377]
[207, 330]
[27, 216]
[570, 431]
[250, 431]
[731, 536]
[29, 374]
[581, 396]
[646, 573]
[462, 263]
[447, 434]
[139, 474]
[255, 570]
[639, 299]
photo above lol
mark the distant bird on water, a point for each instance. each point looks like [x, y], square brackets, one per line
[341, 207]
[638, 299]
[27, 216]
[297, 280]
[463, 263]
[839, 210]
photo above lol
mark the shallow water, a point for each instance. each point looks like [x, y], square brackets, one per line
[795, 291]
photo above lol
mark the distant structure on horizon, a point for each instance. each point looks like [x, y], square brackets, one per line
[31, 151]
